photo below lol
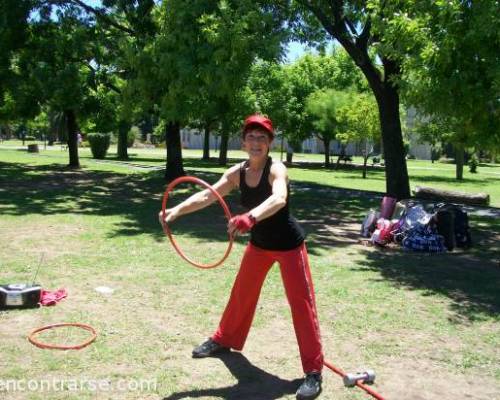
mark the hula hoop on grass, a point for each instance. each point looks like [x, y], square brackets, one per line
[168, 232]
[42, 345]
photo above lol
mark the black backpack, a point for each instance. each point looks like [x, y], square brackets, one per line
[459, 222]
[445, 225]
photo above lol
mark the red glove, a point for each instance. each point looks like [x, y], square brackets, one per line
[243, 222]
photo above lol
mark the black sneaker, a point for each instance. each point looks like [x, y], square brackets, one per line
[209, 348]
[310, 388]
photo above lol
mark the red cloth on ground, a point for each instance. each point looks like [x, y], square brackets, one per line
[48, 298]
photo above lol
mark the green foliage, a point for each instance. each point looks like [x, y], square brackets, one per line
[39, 126]
[53, 69]
[57, 126]
[455, 75]
[436, 152]
[362, 120]
[13, 35]
[133, 134]
[158, 135]
[473, 163]
[282, 90]
[99, 144]
[443, 55]
[205, 50]
[432, 130]
[406, 145]
[326, 108]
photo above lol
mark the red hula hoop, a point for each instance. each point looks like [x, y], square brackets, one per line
[166, 229]
[42, 345]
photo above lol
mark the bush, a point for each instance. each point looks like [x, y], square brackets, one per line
[406, 146]
[113, 139]
[158, 135]
[436, 152]
[133, 134]
[99, 144]
[473, 163]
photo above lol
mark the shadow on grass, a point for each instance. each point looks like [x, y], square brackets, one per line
[472, 285]
[451, 180]
[330, 216]
[253, 383]
[53, 189]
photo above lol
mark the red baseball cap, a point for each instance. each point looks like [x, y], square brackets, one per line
[260, 121]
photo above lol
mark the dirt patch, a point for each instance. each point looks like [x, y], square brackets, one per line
[418, 379]
[37, 238]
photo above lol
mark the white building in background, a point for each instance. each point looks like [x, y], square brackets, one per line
[419, 150]
[193, 139]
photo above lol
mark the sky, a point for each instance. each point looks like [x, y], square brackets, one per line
[295, 50]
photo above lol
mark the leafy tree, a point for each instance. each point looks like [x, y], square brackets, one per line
[377, 35]
[123, 29]
[282, 90]
[326, 110]
[434, 131]
[455, 77]
[362, 122]
[51, 69]
[273, 97]
[205, 50]
[13, 36]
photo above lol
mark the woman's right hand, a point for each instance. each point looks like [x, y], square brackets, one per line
[171, 215]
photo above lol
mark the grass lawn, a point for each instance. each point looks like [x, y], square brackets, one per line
[429, 325]
[422, 172]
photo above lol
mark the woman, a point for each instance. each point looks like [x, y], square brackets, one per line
[275, 236]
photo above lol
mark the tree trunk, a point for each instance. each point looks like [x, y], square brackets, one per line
[396, 172]
[289, 154]
[281, 147]
[459, 161]
[206, 142]
[174, 168]
[342, 154]
[224, 140]
[428, 193]
[72, 138]
[326, 143]
[384, 88]
[366, 153]
[123, 128]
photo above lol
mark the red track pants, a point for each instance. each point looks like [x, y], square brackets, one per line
[237, 318]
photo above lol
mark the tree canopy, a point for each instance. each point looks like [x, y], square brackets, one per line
[208, 63]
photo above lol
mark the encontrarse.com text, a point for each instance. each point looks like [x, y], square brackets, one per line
[78, 385]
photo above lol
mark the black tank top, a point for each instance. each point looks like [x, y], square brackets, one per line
[280, 231]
